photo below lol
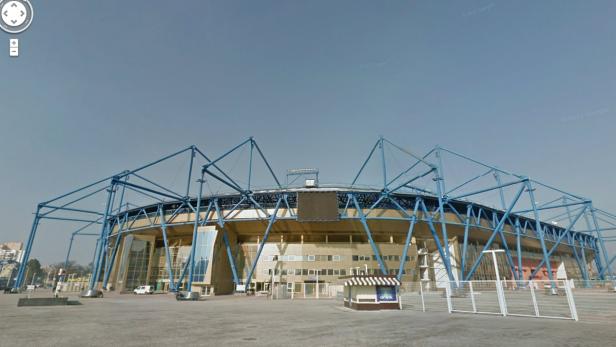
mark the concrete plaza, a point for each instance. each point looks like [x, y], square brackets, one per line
[128, 320]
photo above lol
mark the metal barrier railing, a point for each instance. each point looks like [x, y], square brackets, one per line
[539, 299]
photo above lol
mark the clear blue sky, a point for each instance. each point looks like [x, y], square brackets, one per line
[101, 86]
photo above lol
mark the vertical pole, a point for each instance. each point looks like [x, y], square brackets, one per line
[534, 297]
[448, 294]
[318, 270]
[24, 262]
[499, 286]
[421, 294]
[571, 301]
[191, 267]
[470, 285]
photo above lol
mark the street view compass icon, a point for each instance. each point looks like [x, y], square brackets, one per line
[15, 15]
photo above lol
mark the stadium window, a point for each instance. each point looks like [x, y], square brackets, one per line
[355, 258]
[305, 272]
[336, 272]
[373, 257]
[336, 258]
[311, 258]
[329, 258]
[342, 272]
[298, 272]
[330, 272]
[311, 272]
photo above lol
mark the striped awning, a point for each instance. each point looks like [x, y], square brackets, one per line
[372, 281]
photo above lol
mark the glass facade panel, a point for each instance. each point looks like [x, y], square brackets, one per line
[204, 252]
[138, 259]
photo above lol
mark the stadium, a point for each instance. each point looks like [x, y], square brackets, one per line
[421, 218]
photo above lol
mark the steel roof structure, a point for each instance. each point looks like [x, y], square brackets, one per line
[421, 188]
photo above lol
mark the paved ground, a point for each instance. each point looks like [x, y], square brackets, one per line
[127, 320]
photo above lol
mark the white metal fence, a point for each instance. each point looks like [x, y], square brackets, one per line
[540, 299]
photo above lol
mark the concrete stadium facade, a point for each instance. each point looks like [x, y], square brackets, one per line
[298, 252]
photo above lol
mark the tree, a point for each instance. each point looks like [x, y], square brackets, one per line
[33, 270]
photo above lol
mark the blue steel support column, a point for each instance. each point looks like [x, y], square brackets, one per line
[540, 232]
[500, 190]
[557, 241]
[112, 257]
[193, 246]
[437, 242]
[68, 253]
[495, 232]
[580, 262]
[364, 223]
[24, 262]
[602, 245]
[114, 253]
[100, 246]
[190, 167]
[272, 220]
[383, 164]
[94, 257]
[594, 248]
[440, 189]
[467, 223]
[225, 237]
[581, 265]
[583, 249]
[518, 243]
[252, 148]
[408, 240]
[163, 227]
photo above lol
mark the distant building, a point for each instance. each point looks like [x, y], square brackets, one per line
[11, 255]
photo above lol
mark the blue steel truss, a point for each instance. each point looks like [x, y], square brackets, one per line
[419, 191]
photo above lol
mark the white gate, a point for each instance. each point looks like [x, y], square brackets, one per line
[540, 299]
